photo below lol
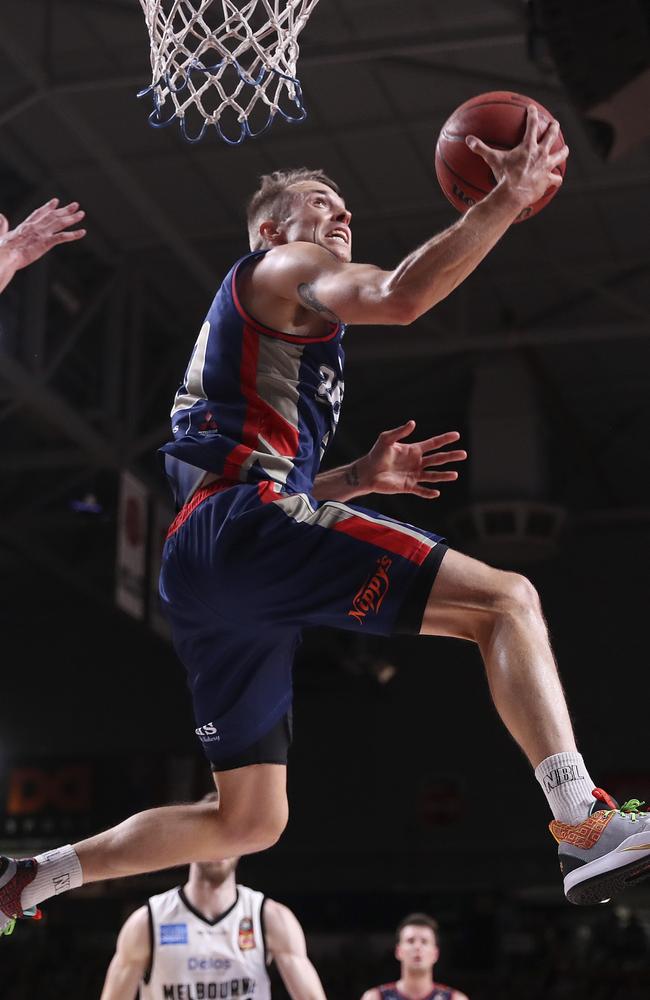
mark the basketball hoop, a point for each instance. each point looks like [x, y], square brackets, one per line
[226, 63]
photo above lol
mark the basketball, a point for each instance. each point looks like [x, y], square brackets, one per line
[499, 120]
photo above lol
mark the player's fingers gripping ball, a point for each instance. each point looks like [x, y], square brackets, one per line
[499, 120]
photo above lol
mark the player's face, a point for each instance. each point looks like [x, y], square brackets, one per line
[417, 948]
[216, 872]
[318, 215]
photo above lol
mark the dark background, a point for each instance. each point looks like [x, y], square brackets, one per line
[406, 792]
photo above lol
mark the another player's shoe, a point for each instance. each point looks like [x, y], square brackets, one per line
[606, 853]
[14, 876]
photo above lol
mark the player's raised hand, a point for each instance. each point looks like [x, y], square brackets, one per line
[530, 168]
[395, 466]
[46, 227]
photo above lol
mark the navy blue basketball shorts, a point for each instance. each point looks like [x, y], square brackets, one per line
[245, 568]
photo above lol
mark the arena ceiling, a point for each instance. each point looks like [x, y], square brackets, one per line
[94, 340]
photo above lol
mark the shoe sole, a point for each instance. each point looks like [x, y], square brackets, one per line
[600, 880]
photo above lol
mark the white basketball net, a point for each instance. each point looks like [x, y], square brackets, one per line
[227, 63]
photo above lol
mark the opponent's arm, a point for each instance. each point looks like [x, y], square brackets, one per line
[360, 293]
[286, 943]
[131, 958]
[42, 230]
[393, 466]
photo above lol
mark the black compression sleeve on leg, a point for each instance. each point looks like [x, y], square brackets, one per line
[409, 619]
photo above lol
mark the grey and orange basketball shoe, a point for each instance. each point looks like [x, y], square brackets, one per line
[14, 876]
[605, 854]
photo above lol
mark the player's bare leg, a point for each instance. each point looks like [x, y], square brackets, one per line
[602, 849]
[250, 817]
[501, 612]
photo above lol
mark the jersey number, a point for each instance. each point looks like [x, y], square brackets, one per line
[330, 391]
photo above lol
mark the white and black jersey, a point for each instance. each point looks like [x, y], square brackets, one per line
[193, 958]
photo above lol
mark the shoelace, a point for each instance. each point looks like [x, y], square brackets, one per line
[629, 810]
[34, 913]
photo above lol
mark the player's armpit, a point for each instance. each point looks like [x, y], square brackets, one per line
[310, 276]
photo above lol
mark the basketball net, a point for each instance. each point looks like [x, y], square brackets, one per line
[226, 63]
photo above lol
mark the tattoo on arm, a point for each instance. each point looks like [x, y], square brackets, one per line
[309, 300]
[352, 475]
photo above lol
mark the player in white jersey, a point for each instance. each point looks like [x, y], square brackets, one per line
[210, 939]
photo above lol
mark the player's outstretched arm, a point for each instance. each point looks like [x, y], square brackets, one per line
[286, 943]
[394, 466]
[131, 959]
[45, 228]
[309, 275]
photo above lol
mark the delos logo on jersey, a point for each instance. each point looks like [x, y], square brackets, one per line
[173, 934]
[208, 733]
[246, 934]
[211, 964]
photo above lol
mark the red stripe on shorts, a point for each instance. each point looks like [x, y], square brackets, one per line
[385, 537]
[197, 499]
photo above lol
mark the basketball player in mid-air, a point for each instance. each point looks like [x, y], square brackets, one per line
[210, 939]
[417, 951]
[265, 544]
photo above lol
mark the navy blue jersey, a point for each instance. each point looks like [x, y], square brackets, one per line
[389, 991]
[255, 404]
[252, 557]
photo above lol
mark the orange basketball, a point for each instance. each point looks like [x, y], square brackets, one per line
[499, 119]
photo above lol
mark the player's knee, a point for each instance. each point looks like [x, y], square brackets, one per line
[517, 596]
[264, 832]
[274, 825]
[257, 830]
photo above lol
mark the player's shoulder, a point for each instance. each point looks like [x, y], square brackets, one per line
[276, 913]
[134, 940]
[296, 255]
[457, 995]
[138, 919]
[374, 993]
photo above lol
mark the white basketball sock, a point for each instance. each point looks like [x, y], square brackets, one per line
[58, 871]
[567, 785]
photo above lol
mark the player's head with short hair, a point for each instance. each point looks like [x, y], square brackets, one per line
[299, 204]
[416, 942]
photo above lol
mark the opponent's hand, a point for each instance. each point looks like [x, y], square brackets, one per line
[46, 227]
[530, 168]
[392, 466]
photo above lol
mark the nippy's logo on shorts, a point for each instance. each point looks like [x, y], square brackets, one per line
[370, 596]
